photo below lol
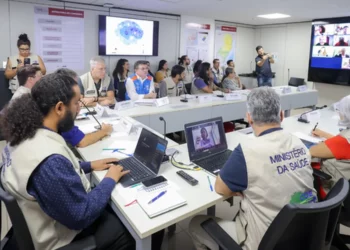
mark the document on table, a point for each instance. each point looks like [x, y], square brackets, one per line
[309, 138]
[122, 148]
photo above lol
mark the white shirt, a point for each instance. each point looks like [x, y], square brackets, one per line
[130, 89]
[20, 91]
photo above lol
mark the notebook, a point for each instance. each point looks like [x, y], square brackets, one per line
[169, 201]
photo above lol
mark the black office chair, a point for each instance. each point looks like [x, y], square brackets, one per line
[188, 87]
[302, 227]
[296, 82]
[19, 238]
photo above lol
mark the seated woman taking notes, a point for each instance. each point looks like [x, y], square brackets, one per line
[203, 83]
[335, 151]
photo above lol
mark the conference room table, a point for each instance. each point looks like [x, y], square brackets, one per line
[200, 197]
[177, 113]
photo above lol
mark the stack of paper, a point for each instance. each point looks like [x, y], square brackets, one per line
[308, 137]
[145, 102]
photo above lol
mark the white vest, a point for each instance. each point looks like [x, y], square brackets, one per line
[218, 75]
[20, 91]
[172, 88]
[337, 168]
[278, 168]
[13, 83]
[188, 74]
[19, 164]
[90, 88]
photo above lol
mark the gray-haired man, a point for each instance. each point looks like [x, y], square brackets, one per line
[268, 171]
[96, 86]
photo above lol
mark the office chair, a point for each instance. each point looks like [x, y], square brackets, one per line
[188, 87]
[19, 238]
[303, 227]
[296, 82]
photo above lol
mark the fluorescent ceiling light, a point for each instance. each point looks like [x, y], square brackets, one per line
[274, 16]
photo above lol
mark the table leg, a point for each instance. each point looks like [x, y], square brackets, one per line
[211, 211]
[144, 244]
[171, 229]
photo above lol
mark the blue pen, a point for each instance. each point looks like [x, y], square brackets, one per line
[157, 197]
[211, 187]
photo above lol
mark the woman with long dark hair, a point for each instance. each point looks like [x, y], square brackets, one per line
[204, 81]
[163, 71]
[120, 74]
[23, 57]
[196, 67]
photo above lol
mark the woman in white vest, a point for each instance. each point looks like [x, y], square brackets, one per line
[24, 57]
[335, 151]
[96, 86]
[268, 171]
[45, 177]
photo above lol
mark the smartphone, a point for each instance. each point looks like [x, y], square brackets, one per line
[26, 61]
[154, 181]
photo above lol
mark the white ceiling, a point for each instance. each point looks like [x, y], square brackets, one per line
[240, 11]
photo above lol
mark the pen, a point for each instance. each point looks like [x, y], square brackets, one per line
[136, 185]
[315, 127]
[157, 197]
[211, 187]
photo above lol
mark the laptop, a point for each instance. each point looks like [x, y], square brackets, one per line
[146, 161]
[206, 143]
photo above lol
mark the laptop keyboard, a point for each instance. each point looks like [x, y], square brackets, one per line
[137, 171]
[214, 162]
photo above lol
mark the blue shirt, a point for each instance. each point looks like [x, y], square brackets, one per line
[265, 69]
[234, 173]
[200, 83]
[61, 195]
[73, 136]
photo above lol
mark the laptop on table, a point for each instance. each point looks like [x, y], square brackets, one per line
[207, 145]
[145, 163]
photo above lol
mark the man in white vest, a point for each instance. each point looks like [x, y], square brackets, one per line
[217, 72]
[96, 86]
[173, 85]
[27, 76]
[268, 171]
[46, 179]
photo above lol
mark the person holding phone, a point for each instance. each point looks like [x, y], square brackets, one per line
[25, 57]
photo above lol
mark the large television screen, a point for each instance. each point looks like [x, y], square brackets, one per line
[129, 37]
[330, 51]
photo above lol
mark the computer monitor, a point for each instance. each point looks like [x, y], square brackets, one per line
[296, 82]
[205, 138]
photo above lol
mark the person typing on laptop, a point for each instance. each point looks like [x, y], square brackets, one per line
[268, 171]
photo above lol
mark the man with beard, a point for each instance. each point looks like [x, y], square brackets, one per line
[184, 61]
[173, 86]
[46, 179]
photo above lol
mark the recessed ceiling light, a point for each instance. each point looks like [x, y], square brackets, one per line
[274, 16]
[108, 5]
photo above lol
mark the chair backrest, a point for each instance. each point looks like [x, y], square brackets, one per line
[120, 89]
[296, 82]
[19, 224]
[307, 226]
[188, 87]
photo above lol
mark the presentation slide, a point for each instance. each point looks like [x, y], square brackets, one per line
[129, 36]
[331, 46]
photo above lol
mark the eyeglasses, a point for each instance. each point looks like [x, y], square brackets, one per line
[24, 49]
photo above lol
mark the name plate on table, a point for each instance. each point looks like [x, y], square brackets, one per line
[205, 98]
[234, 96]
[126, 125]
[313, 116]
[101, 111]
[124, 105]
[286, 90]
[302, 88]
[162, 101]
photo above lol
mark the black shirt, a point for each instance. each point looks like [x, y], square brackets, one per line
[265, 69]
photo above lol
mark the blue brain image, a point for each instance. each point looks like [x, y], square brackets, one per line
[129, 32]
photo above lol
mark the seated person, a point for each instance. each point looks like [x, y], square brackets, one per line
[231, 81]
[203, 83]
[149, 69]
[75, 137]
[46, 179]
[258, 171]
[96, 86]
[204, 141]
[27, 76]
[163, 71]
[173, 86]
[140, 85]
[335, 151]
[341, 42]
[120, 74]
[217, 72]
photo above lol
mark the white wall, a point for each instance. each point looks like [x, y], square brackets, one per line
[291, 42]
[21, 16]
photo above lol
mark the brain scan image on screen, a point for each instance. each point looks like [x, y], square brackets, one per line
[129, 32]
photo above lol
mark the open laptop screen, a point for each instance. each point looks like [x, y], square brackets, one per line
[205, 138]
[150, 150]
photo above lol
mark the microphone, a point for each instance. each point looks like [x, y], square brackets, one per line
[91, 113]
[304, 120]
[164, 131]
